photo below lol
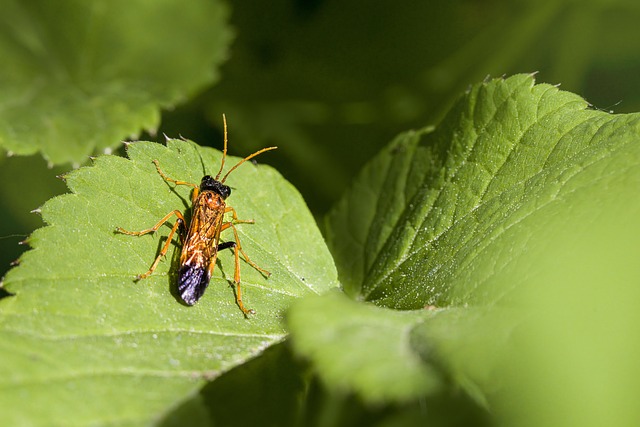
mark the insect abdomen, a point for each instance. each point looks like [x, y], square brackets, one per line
[192, 282]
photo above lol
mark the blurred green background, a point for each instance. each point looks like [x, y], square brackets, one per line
[330, 82]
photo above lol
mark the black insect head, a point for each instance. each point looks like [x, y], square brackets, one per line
[211, 184]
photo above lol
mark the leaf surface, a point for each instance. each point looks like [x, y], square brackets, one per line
[464, 218]
[409, 232]
[83, 76]
[80, 326]
[363, 348]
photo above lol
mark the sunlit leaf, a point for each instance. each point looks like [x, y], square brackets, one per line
[464, 221]
[79, 325]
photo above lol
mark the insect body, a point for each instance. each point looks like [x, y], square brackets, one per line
[201, 242]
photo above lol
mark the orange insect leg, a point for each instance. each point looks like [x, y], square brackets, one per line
[176, 182]
[237, 250]
[165, 248]
[237, 239]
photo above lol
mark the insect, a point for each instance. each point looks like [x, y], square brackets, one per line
[201, 241]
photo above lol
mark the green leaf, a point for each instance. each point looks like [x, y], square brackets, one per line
[82, 76]
[561, 345]
[467, 217]
[79, 325]
[435, 202]
[362, 347]
[580, 325]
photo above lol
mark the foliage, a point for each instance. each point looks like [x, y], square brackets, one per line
[461, 219]
[80, 82]
[485, 259]
[80, 324]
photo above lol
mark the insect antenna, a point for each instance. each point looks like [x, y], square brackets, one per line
[245, 159]
[224, 151]
[224, 154]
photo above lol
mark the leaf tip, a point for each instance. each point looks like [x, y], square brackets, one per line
[4, 290]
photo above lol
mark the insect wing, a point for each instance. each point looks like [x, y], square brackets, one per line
[200, 249]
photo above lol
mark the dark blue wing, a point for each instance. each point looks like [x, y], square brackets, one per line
[192, 282]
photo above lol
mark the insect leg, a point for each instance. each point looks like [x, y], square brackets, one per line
[179, 223]
[176, 182]
[236, 278]
[155, 227]
[166, 178]
[235, 216]
[226, 245]
[162, 253]
[244, 254]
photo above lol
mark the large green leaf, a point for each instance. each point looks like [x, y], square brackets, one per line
[80, 76]
[434, 202]
[467, 217]
[115, 351]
